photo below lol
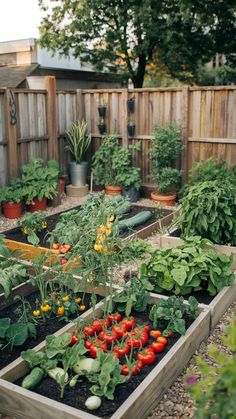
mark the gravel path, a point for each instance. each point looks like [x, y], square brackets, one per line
[176, 402]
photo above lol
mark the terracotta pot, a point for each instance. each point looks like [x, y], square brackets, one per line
[168, 200]
[37, 205]
[113, 190]
[12, 210]
[62, 184]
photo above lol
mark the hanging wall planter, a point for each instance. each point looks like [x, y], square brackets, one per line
[130, 105]
[102, 109]
[131, 129]
[102, 128]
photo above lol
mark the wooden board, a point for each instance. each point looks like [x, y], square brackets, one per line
[21, 403]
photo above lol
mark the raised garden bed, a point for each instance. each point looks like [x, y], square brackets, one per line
[134, 400]
[15, 239]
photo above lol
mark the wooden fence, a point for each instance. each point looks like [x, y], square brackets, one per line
[41, 118]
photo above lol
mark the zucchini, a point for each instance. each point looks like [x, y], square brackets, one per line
[134, 221]
[33, 379]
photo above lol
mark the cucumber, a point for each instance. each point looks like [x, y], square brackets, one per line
[135, 221]
[33, 379]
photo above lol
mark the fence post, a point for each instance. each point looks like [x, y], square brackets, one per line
[185, 122]
[10, 112]
[51, 109]
[124, 118]
[79, 105]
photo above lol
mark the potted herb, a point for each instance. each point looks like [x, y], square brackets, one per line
[102, 126]
[131, 128]
[130, 104]
[102, 108]
[39, 182]
[111, 165]
[165, 147]
[11, 197]
[78, 142]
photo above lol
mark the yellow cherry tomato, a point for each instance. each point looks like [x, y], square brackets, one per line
[58, 303]
[98, 247]
[25, 230]
[77, 300]
[108, 232]
[82, 307]
[112, 218]
[54, 293]
[44, 224]
[45, 308]
[100, 239]
[66, 298]
[108, 226]
[61, 310]
[36, 313]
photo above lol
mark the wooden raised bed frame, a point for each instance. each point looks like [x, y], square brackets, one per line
[20, 403]
[29, 252]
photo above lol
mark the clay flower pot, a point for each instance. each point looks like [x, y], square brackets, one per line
[12, 210]
[62, 184]
[37, 205]
[113, 190]
[168, 200]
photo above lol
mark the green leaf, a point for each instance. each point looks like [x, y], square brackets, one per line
[4, 326]
[179, 275]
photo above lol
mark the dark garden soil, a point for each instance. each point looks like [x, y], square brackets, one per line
[77, 396]
[50, 326]
[17, 235]
[202, 296]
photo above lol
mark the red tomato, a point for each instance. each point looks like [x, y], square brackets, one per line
[128, 322]
[135, 369]
[138, 337]
[55, 246]
[155, 334]
[97, 326]
[88, 344]
[146, 356]
[163, 340]
[74, 339]
[89, 331]
[63, 261]
[170, 334]
[114, 317]
[95, 346]
[157, 347]
[119, 330]
[108, 336]
[146, 328]
[121, 350]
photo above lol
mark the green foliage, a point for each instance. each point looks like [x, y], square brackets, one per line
[108, 377]
[134, 296]
[187, 268]
[77, 140]
[163, 152]
[12, 273]
[173, 310]
[31, 224]
[208, 209]
[215, 390]
[124, 36]
[39, 180]
[14, 193]
[112, 164]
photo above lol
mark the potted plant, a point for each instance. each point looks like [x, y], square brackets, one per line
[101, 126]
[102, 108]
[11, 197]
[39, 182]
[130, 104]
[78, 142]
[163, 152]
[130, 177]
[110, 164]
[131, 128]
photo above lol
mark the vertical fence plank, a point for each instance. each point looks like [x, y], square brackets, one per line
[50, 85]
[185, 122]
[124, 118]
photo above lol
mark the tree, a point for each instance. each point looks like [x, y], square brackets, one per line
[123, 35]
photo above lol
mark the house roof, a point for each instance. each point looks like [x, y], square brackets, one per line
[13, 76]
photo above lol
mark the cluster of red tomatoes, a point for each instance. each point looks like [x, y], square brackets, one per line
[124, 337]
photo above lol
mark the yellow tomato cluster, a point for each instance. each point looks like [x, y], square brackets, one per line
[104, 231]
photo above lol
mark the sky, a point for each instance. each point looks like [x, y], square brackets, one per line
[19, 19]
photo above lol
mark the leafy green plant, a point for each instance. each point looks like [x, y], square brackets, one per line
[14, 193]
[78, 140]
[173, 311]
[31, 224]
[111, 163]
[39, 180]
[108, 377]
[208, 209]
[163, 152]
[134, 296]
[213, 388]
[187, 268]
